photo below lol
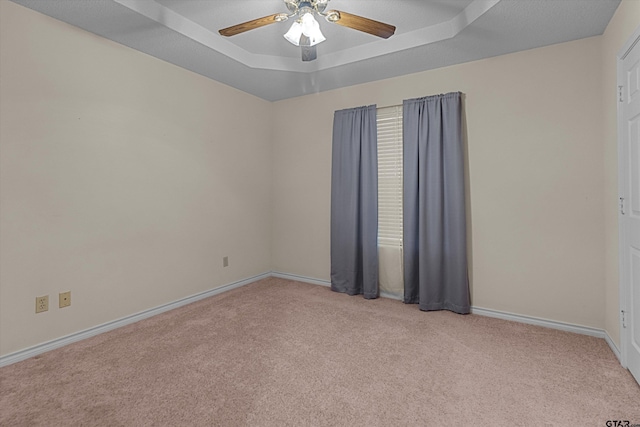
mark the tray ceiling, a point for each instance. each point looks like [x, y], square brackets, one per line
[430, 34]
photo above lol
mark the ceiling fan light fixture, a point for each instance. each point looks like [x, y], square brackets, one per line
[308, 26]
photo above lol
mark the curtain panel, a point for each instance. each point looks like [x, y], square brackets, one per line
[434, 219]
[354, 202]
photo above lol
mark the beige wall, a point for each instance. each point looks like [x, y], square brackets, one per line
[620, 28]
[123, 179]
[536, 177]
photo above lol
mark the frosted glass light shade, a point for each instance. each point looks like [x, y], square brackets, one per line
[294, 33]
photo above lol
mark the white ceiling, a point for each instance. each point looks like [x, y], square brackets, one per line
[430, 34]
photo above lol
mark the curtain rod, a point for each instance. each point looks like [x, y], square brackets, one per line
[401, 104]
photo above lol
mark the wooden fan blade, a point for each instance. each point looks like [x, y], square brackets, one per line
[250, 25]
[359, 23]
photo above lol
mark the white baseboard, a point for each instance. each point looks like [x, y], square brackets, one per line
[320, 282]
[568, 327]
[105, 327]
[301, 278]
[553, 324]
[613, 346]
[87, 333]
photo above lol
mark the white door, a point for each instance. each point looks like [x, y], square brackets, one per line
[629, 213]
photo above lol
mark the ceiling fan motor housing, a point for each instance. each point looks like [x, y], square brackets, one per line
[296, 6]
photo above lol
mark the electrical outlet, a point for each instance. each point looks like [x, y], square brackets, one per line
[225, 261]
[64, 299]
[42, 304]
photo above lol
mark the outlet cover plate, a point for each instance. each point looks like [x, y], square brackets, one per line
[64, 299]
[42, 304]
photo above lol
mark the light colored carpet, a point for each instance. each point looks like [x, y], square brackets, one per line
[278, 353]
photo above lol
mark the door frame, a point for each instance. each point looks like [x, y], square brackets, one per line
[623, 284]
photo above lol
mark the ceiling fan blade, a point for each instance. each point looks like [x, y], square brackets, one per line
[309, 53]
[359, 23]
[252, 25]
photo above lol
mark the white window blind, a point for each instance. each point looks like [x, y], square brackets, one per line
[389, 120]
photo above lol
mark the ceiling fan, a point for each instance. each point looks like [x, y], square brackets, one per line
[305, 31]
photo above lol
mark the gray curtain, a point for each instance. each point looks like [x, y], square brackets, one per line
[435, 238]
[354, 202]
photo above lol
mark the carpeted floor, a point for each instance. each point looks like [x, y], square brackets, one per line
[278, 353]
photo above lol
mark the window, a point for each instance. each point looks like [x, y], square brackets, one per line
[389, 120]
[391, 277]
